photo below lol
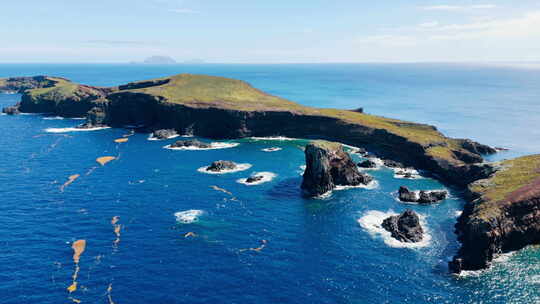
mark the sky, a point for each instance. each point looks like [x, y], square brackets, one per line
[270, 31]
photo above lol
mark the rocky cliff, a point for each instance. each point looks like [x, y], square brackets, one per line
[221, 108]
[503, 215]
[218, 107]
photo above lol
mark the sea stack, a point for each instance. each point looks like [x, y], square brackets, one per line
[405, 227]
[327, 166]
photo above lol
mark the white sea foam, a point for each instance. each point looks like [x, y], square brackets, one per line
[151, 137]
[213, 146]
[267, 176]
[65, 130]
[239, 167]
[414, 173]
[499, 259]
[272, 149]
[302, 169]
[372, 220]
[188, 216]
[371, 185]
[281, 138]
[53, 118]
[458, 213]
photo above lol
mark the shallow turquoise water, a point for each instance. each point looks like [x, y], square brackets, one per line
[316, 251]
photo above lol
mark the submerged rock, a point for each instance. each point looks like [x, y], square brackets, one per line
[221, 165]
[421, 197]
[164, 133]
[367, 164]
[405, 195]
[190, 143]
[327, 166]
[393, 164]
[405, 227]
[430, 197]
[13, 110]
[254, 179]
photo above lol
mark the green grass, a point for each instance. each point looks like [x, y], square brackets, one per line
[201, 91]
[327, 145]
[209, 91]
[516, 173]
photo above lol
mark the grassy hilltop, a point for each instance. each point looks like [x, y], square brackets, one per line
[201, 91]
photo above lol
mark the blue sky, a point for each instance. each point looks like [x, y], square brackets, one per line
[263, 31]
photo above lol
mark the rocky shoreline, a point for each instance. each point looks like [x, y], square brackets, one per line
[220, 108]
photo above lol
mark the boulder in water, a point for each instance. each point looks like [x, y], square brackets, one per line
[421, 197]
[221, 165]
[405, 227]
[190, 143]
[13, 110]
[254, 179]
[164, 133]
[367, 164]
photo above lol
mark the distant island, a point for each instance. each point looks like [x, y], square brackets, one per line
[159, 60]
[504, 198]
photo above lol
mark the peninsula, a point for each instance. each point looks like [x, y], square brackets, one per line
[222, 108]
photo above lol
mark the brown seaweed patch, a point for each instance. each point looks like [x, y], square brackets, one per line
[105, 159]
[78, 248]
[109, 296]
[70, 180]
[121, 140]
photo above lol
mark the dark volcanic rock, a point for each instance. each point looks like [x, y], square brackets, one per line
[13, 110]
[164, 133]
[190, 143]
[404, 174]
[430, 197]
[477, 148]
[405, 227]
[500, 219]
[253, 179]
[392, 164]
[421, 197]
[360, 151]
[327, 166]
[221, 165]
[405, 195]
[367, 164]
[95, 118]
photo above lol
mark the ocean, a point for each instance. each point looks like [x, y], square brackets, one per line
[183, 236]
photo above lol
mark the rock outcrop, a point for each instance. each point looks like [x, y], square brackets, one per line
[13, 110]
[254, 179]
[164, 134]
[191, 143]
[367, 164]
[327, 166]
[421, 197]
[221, 165]
[503, 215]
[405, 227]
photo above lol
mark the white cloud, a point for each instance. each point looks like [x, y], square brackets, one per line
[429, 24]
[183, 11]
[524, 30]
[458, 7]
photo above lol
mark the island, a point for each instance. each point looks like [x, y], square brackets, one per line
[223, 108]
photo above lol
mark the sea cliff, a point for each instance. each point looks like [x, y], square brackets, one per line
[502, 216]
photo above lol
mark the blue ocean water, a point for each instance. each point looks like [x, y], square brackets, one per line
[309, 251]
